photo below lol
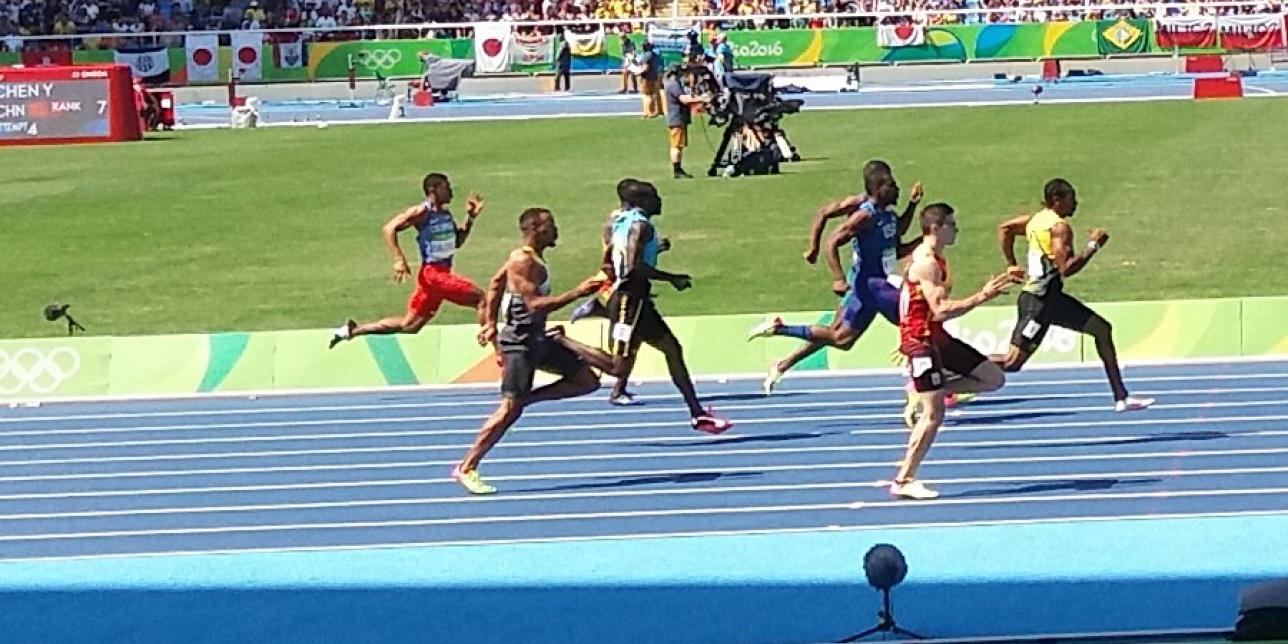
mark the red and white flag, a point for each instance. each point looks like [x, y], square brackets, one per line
[203, 57]
[492, 46]
[1185, 31]
[904, 34]
[1251, 32]
[248, 55]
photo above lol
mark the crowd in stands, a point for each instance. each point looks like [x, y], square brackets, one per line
[125, 17]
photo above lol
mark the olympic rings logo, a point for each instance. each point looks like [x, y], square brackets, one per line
[29, 369]
[379, 58]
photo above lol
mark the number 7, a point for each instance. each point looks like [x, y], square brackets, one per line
[102, 106]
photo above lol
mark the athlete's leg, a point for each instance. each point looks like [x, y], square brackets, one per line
[517, 370]
[411, 322]
[580, 383]
[926, 376]
[975, 374]
[923, 435]
[421, 308]
[1031, 326]
[653, 330]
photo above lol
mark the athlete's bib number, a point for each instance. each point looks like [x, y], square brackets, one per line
[919, 366]
[442, 249]
[622, 332]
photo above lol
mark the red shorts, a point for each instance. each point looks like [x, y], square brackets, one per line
[437, 283]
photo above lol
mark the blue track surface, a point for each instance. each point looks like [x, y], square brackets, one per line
[369, 470]
[1093, 88]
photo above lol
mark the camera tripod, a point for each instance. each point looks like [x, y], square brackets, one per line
[885, 623]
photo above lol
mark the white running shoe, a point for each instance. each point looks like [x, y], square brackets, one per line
[764, 329]
[624, 400]
[772, 379]
[342, 333]
[1132, 404]
[914, 490]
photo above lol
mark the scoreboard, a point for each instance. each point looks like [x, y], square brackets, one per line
[75, 104]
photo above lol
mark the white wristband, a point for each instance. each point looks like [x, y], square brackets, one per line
[1093, 245]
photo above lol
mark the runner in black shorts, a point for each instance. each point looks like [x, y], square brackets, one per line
[633, 318]
[937, 362]
[520, 292]
[1043, 302]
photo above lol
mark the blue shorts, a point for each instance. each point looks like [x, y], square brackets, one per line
[870, 296]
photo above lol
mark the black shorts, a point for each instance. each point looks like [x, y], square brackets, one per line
[930, 363]
[520, 364]
[1039, 312]
[632, 319]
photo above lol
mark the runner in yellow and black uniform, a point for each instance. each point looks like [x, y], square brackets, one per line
[1043, 302]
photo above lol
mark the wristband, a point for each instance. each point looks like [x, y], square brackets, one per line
[1093, 246]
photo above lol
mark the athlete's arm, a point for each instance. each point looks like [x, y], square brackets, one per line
[905, 220]
[473, 208]
[827, 212]
[1007, 231]
[926, 273]
[639, 235]
[400, 222]
[492, 298]
[1062, 247]
[857, 223]
[522, 272]
[491, 302]
[905, 248]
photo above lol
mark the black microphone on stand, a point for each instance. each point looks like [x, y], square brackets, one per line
[55, 312]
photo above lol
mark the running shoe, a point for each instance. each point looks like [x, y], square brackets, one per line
[342, 333]
[471, 481]
[625, 399]
[708, 423]
[772, 379]
[1132, 404]
[765, 329]
[583, 310]
[912, 489]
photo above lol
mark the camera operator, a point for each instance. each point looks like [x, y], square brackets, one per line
[679, 113]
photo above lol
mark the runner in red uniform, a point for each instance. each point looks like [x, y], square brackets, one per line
[438, 237]
[938, 363]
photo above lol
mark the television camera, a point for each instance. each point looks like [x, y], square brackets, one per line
[750, 110]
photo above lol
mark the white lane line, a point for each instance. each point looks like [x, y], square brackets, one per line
[611, 494]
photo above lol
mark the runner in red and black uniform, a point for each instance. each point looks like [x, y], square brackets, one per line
[938, 363]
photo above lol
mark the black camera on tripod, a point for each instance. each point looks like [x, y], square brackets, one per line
[750, 110]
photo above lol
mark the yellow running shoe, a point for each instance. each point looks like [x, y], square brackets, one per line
[471, 481]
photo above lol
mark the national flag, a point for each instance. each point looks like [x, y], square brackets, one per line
[668, 39]
[591, 44]
[1122, 36]
[1252, 32]
[904, 34]
[1185, 31]
[248, 59]
[149, 64]
[202, 51]
[288, 53]
[535, 49]
[492, 46]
